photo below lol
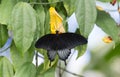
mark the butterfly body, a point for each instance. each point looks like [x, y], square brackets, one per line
[60, 44]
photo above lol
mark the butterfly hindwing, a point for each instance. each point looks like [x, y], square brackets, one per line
[63, 54]
[51, 55]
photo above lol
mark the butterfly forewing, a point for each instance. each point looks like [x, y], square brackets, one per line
[71, 39]
[60, 41]
[46, 42]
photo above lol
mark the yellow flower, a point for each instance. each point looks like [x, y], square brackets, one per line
[107, 39]
[99, 8]
[55, 21]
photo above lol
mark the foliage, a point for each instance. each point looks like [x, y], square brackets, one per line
[107, 21]
[86, 16]
[29, 20]
[6, 68]
[3, 31]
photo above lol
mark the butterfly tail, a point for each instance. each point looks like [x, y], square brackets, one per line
[64, 54]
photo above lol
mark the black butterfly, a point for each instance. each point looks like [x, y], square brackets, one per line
[60, 44]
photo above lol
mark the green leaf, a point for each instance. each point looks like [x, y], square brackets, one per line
[81, 50]
[23, 25]
[70, 6]
[19, 59]
[6, 69]
[26, 70]
[113, 53]
[3, 34]
[46, 61]
[6, 7]
[47, 21]
[61, 10]
[53, 2]
[86, 15]
[107, 24]
[48, 73]
[40, 20]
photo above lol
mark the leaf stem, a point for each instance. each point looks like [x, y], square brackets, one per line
[45, 3]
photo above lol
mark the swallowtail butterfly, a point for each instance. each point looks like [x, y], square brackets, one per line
[60, 44]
